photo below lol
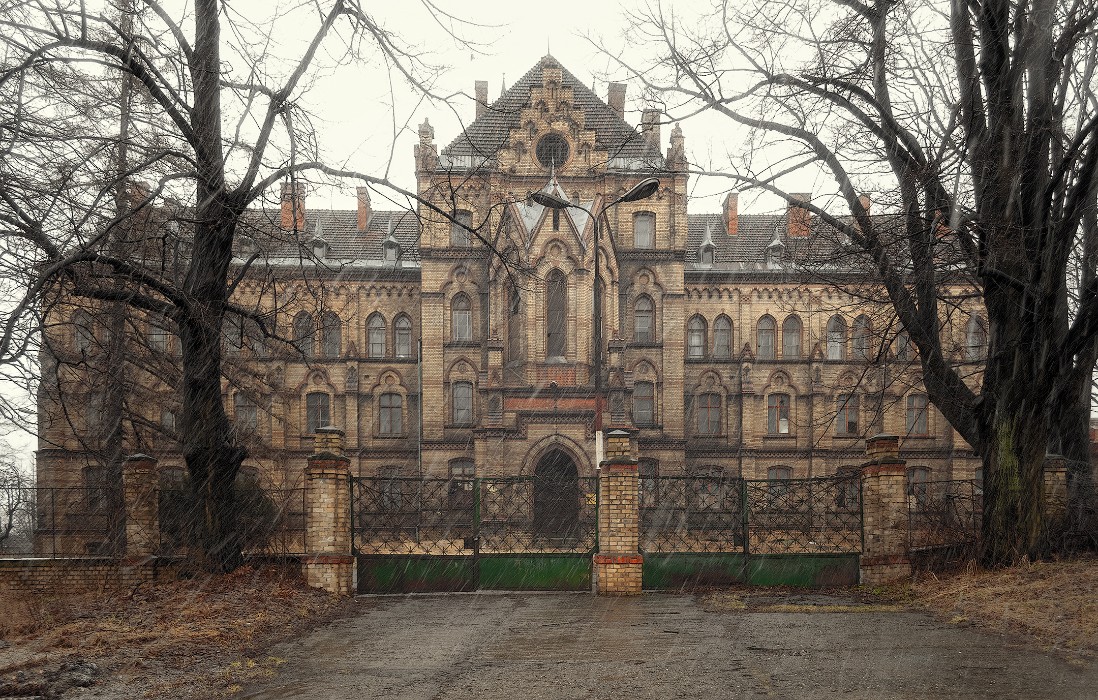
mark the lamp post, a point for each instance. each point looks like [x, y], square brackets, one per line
[642, 190]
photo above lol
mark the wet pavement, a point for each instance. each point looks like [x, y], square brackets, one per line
[534, 646]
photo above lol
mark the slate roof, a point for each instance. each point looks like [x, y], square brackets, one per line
[339, 229]
[747, 250]
[488, 132]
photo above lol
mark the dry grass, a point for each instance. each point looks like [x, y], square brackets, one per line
[1054, 604]
[204, 629]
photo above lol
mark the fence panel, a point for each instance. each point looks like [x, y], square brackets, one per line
[691, 514]
[58, 521]
[411, 515]
[805, 516]
[521, 515]
[944, 513]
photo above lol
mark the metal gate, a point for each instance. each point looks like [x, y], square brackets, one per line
[500, 533]
[714, 530]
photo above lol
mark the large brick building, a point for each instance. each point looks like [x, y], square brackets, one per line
[443, 349]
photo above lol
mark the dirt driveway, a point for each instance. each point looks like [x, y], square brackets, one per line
[533, 646]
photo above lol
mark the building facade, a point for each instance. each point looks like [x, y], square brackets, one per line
[459, 339]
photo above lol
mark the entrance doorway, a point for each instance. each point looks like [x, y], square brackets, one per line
[556, 497]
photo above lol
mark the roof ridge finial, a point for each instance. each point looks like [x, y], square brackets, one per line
[708, 240]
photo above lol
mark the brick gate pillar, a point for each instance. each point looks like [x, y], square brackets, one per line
[328, 562]
[618, 564]
[884, 513]
[141, 496]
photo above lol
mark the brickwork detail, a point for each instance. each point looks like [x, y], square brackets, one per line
[617, 568]
[328, 564]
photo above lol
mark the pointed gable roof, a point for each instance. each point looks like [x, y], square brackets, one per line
[483, 138]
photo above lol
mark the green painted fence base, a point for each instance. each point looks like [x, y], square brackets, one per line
[394, 573]
[687, 571]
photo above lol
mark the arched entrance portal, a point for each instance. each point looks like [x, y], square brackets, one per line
[556, 496]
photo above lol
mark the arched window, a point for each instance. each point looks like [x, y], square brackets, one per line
[390, 420]
[461, 318]
[695, 338]
[862, 338]
[846, 420]
[331, 335]
[644, 403]
[917, 478]
[245, 414]
[707, 414]
[556, 315]
[791, 338]
[916, 414]
[403, 334]
[705, 255]
[836, 338]
[767, 345]
[903, 348]
[777, 414]
[375, 336]
[83, 332]
[317, 411]
[644, 229]
[643, 317]
[722, 337]
[462, 403]
[459, 234]
[305, 333]
[975, 339]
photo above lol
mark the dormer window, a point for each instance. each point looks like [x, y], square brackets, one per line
[705, 255]
[320, 248]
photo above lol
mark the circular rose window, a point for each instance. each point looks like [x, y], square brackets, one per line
[552, 150]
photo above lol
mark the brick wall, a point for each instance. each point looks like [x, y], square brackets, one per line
[79, 575]
[618, 566]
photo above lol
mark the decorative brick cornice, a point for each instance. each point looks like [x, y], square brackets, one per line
[619, 559]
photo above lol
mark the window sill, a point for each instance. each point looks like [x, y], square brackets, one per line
[391, 436]
[646, 344]
[780, 436]
[461, 344]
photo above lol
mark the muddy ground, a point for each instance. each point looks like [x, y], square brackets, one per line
[533, 646]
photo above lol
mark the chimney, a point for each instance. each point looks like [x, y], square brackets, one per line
[866, 203]
[363, 207]
[800, 220]
[615, 97]
[293, 205]
[481, 89]
[650, 127]
[732, 213]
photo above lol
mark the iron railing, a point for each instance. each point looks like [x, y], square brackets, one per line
[58, 521]
[943, 513]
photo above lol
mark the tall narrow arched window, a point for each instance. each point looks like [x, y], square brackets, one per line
[403, 336]
[643, 316]
[82, 332]
[459, 234]
[462, 403]
[916, 414]
[707, 414]
[317, 411]
[722, 337]
[767, 346]
[777, 414]
[461, 318]
[836, 338]
[975, 339]
[556, 315]
[375, 336]
[695, 338]
[903, 346]
[644, 403]
[791, 338]
[305, 334]
[846, 414]
[644, 229]
[390, 419]
[862, 338]
[331, 335]
[515, 325]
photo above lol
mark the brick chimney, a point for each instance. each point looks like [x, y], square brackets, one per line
[481, 89]
[363, 207]
[800, 219]
[293, 205]
[650, 127]
[615, 97]
[732, 213]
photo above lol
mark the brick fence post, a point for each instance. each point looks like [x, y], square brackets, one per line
[884, 513]
[141, 496]
[618, 565]
[1055, 490]
[328, 562]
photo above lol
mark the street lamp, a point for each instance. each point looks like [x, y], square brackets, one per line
[642, 190]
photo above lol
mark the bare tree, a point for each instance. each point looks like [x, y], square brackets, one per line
[199, 106]
[16, 502]
[977, 124]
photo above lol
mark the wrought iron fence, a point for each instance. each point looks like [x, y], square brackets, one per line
[715, 514]
[271, 520]
[56, 521]
[943, 513]
[501, 515]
